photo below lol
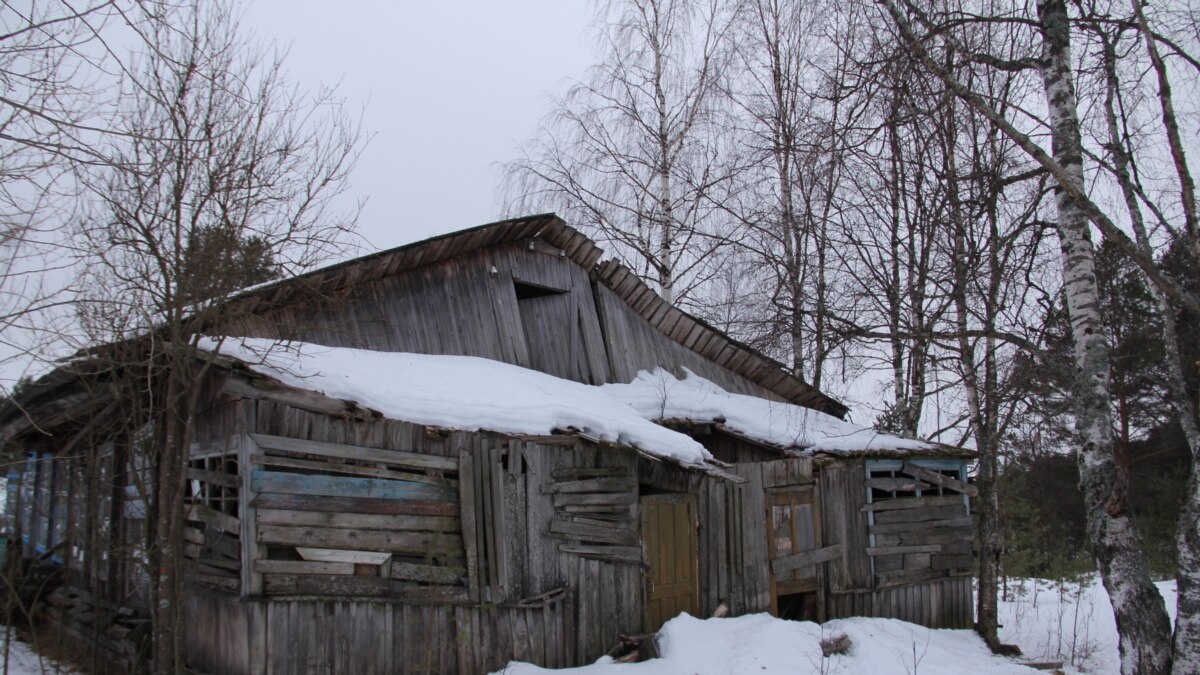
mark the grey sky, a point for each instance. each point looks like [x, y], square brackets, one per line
[449, 89]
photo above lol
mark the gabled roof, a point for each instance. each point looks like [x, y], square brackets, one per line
[676, 324]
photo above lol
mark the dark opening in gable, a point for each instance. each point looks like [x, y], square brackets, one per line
[526, 291]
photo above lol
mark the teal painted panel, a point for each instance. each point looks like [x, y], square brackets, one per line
[343, 486]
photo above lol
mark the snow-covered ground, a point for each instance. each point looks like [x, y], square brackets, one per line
[22, 660]
[1067, 622]
[1071, 623]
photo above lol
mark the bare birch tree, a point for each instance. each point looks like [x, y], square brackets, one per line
[631, 154]
[1141, 619]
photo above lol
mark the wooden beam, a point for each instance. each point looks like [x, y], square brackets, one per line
[394, 457]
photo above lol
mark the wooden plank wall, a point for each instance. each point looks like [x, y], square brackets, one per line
[634, 345]
[218, 638]
[312, 635]
[458, 306]
[581, 504]
[843, 494]
[943, 603]
[549, 528]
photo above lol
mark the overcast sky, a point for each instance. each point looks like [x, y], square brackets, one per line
[449, 89]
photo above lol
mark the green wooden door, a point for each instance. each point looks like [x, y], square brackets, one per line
[669, 538]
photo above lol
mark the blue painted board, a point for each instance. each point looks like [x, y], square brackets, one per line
[343, 486]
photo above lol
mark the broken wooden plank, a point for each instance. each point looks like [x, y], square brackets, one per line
[939, 479]
[897, 484]
[214, 518]
[329, 555]
[806, 559]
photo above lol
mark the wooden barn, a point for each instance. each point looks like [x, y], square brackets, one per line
[426, 475]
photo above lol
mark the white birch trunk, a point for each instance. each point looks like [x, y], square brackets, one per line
[1141, 617]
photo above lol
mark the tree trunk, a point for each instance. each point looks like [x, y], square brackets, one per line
[1186, 651]
[1141, 617]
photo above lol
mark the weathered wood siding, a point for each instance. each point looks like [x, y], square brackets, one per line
[634, 345]
[460, 307]
[351, 636]
[943, 603]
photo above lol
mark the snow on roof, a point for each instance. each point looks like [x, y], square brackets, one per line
[459, 392]
[472, 394]
[661, 396]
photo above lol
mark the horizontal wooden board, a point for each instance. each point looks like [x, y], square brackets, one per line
[924, 514]
[629, 554]
[333, 555]
[898, 484]
[919, 537]
[347, 486]
[430, 574]
[890, 528]
[913, 502]
[361, 521]
[900, 550]
[326, 584]
[573, 473]
[355, 505]
[591, 485]
[596, 499]
[392, 457]
[902, 577]
[948, 562]
[586, 532]
[413, 543]
[350, 469]
[806, 559]
[302, 567]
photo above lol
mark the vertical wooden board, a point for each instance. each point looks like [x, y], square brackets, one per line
[856, 542]
[466, 497]
[462, 638]
[720, 525]
[516, 531]
[499, 529]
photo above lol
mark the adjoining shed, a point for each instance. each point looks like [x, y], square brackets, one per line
[484, 447]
